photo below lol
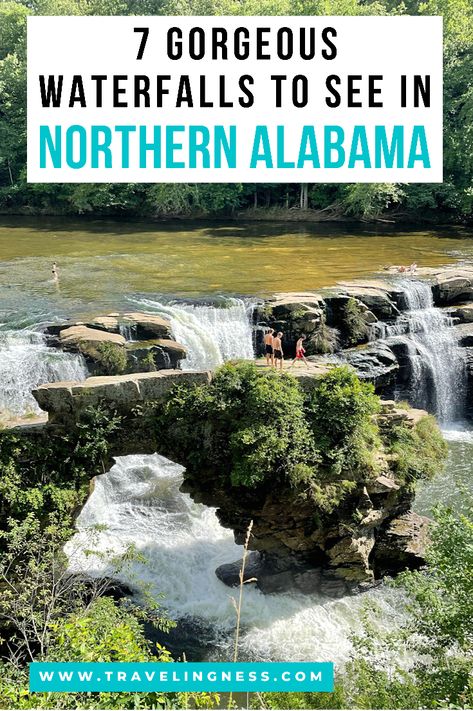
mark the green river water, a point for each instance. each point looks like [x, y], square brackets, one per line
[101, 263]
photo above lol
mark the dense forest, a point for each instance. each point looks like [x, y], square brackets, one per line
[451, 201]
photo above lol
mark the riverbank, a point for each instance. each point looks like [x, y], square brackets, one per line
[332, 214]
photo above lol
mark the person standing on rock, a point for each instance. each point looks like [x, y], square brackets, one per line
[300, 352]
[278, 354]
[268, 347]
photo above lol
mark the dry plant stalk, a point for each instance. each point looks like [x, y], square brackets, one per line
[240, 599]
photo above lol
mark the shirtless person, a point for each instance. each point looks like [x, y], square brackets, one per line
[300, 352]
[268, 346]
[55, 272]
[278, 354]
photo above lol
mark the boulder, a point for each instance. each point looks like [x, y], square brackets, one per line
[382, 485]
[450, 287]
[464, 313]
[464, 333]
[293, 314]
[229, 573]
[402, 544]
[380, 298]
[375, 362]
[106, 323]
[349, 557]
[148, 326]
[156, 354]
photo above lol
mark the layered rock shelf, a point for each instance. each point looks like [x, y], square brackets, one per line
[372, 533]
[120, 343]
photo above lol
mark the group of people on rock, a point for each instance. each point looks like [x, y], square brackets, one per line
[274, 350]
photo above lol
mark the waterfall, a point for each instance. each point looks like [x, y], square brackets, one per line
[26, 362]
[180, 544]
[438, 369]
[212, 334]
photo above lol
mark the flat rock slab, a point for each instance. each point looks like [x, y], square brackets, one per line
[123, 392]
[309, 298]
[77, 335]
[463, 312]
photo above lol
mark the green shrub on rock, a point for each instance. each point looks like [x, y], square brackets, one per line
[354, 326]
[417, 452]
[112, 358]
[247, 422]
[340, 411]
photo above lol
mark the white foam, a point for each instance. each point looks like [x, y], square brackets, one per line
[139, 502]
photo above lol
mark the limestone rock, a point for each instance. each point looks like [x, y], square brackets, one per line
[155, 354]
[402, 544]
[148, 325]
[377, 296]
[77, 337]
[382, 485]
[107, 323]
[465, 334]
[375, 362]
[63, 401]
[464, 313]
[450, 287]
[293, 314]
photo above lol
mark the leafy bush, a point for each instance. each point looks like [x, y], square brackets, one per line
[354, 327]
[326, 339]
[340, 412]
[42, 475]
[247, 423]
[112, 358]
[418, 452]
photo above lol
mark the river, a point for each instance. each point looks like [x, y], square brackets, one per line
[205, 279]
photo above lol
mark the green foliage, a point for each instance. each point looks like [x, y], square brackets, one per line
[112, 358]
[257, 428]
[51, 615]
[247, 422]
[354, 327]
[370, 200]
[437, 637]
[341, 412]
[326, 339]
[419, 452]
[47, 475]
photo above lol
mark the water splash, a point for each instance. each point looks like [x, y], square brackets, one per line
[26, 362]
[211, 334]
[139, 502]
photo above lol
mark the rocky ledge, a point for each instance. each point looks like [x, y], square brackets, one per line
[371, 533]
[120, 343]
[351, 322]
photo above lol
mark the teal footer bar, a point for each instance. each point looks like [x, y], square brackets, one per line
[179, 676]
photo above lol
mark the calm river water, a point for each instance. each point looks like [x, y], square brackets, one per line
[102, 263]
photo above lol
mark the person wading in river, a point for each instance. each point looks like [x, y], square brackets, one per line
[268, 347]
[278, 354]
[300, 352]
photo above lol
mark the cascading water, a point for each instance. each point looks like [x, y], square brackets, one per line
[26, 362]
[437, 366]
[212, 334]
[138, 503]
